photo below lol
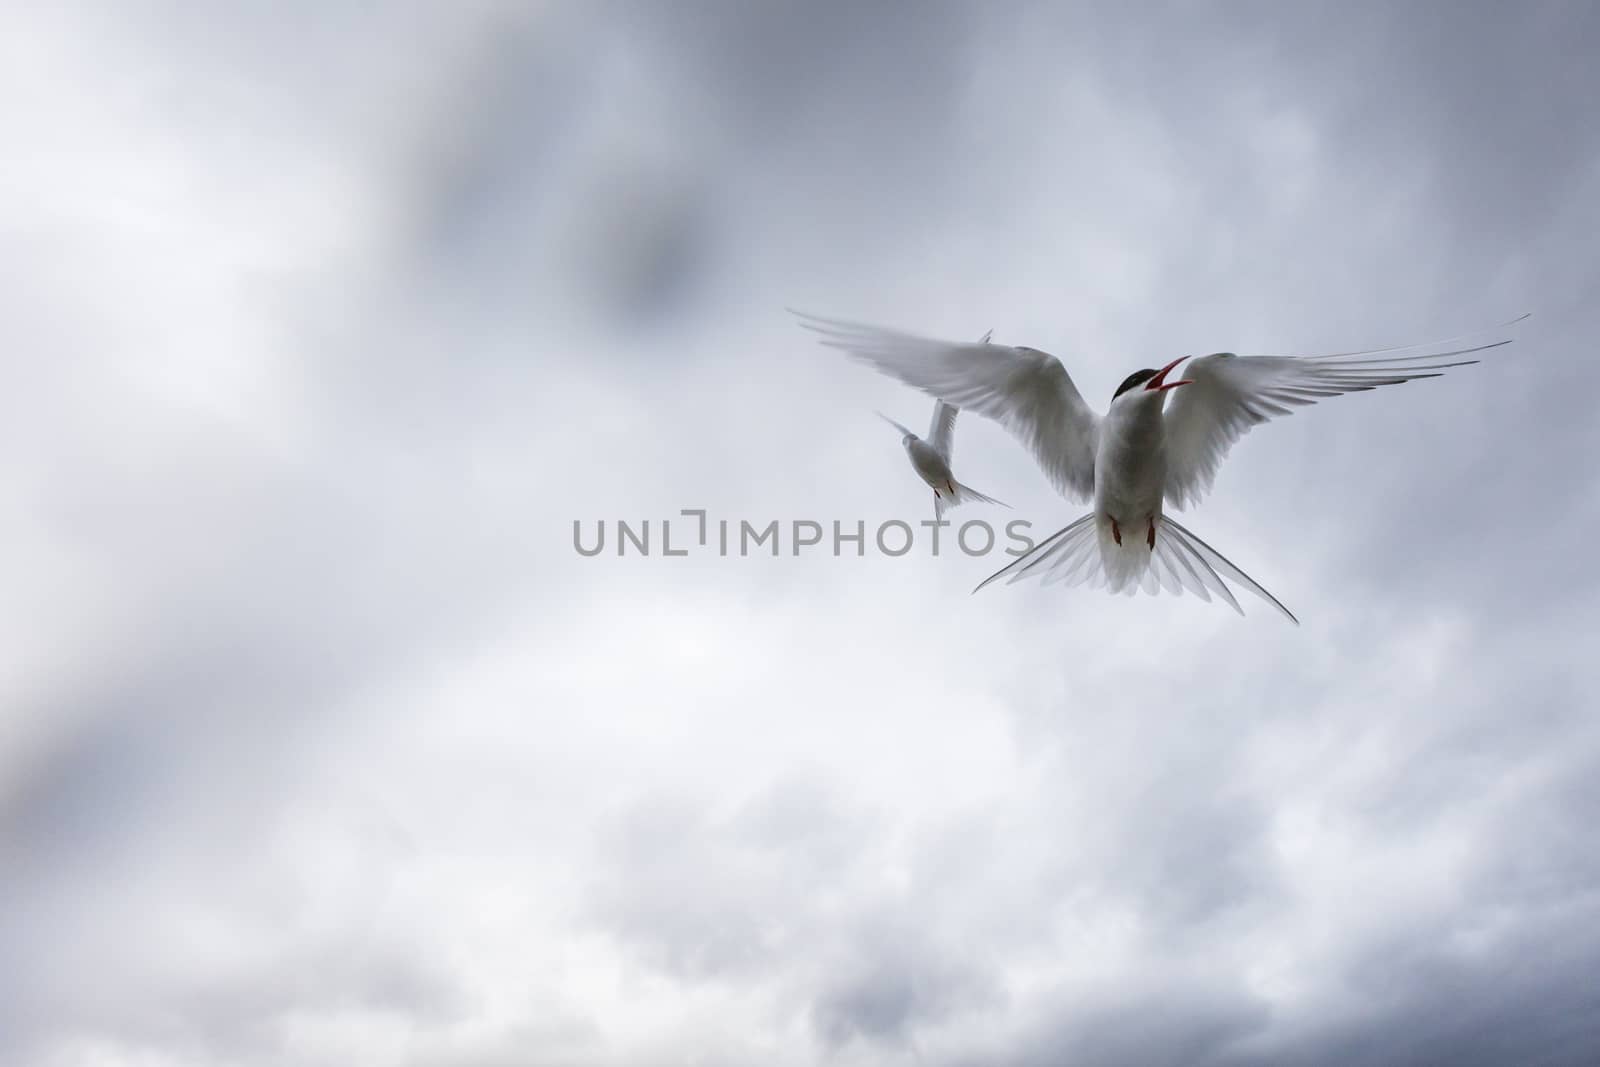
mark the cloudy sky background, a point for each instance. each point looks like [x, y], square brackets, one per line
[319, 744]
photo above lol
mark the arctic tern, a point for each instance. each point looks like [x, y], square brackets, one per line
[931, 458]
[1143, 454]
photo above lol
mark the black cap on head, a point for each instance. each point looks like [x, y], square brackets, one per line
[1136, 378]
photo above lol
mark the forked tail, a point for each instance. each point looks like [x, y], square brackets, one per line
[1077, 554]
[944, 499]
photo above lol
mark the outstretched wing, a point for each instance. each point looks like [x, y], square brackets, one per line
[941, 431]
[1027, 391]
[1231, 394]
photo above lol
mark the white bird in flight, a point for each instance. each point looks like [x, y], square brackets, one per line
[931, 458]
[1143, 454]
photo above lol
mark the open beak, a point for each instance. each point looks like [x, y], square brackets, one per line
[1159, 382]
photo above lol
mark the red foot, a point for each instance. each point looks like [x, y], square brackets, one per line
[1116, 532]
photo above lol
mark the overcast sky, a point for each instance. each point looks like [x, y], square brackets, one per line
[320, 744]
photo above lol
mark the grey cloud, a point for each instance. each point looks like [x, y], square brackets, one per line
[778, 893]
[1427, 1004]
[246, 1016]
[897, 981]
[1182, 1024]
[713, 899]
[595, 181]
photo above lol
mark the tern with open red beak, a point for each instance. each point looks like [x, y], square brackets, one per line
[1144, 454]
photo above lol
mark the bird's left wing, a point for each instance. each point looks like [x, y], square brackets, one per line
[1027, 391]
[1231, 394]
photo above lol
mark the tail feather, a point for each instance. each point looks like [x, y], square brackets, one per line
[945, 499]
[1216, 562]
[1063, 555]
[1126, 562]
[965, 493]
[1085, 553]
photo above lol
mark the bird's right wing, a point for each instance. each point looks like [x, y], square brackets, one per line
[1027, 391]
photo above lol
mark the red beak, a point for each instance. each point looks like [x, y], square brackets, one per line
[1159, 382]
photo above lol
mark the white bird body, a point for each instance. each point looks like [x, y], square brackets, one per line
[1130, 474]
[928, 464]
[1143, 454]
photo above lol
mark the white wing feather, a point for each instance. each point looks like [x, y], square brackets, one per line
[941, 430]
[1027, 391]
[1231, 394]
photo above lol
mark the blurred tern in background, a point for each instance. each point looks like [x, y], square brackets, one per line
[931, 458]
